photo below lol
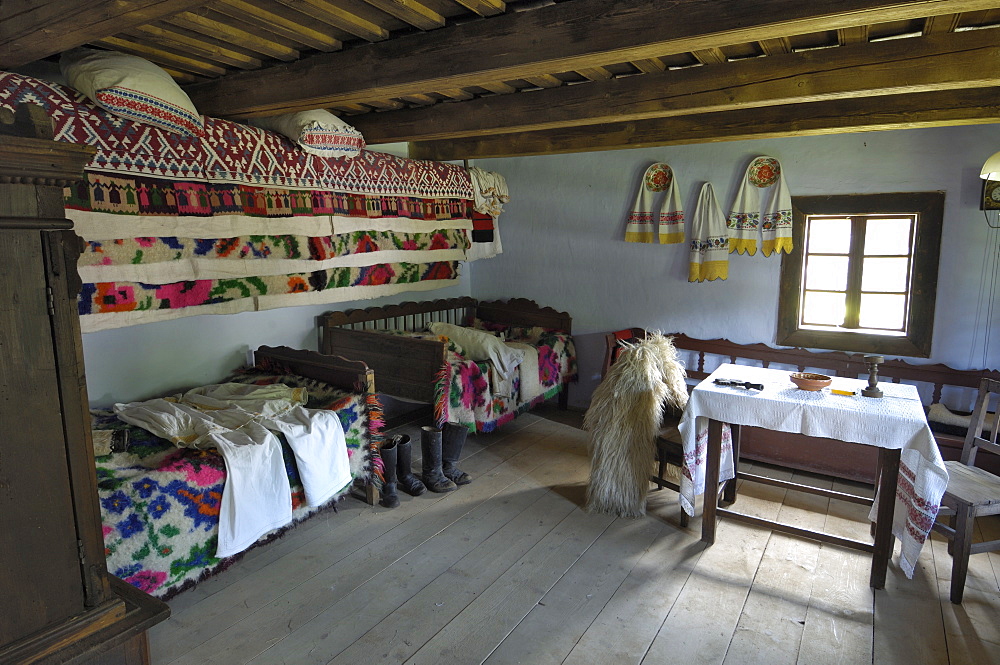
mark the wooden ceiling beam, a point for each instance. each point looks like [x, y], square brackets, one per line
[929, 109]
[921, 64]
[33, 30]
[219, 30]
[415, 13]
[484, 7]
[650, 65]
[556, 38]
[161, 56]
[331, 14]
[198, 46]
[944, 23]
[278, 23]
[776, 46]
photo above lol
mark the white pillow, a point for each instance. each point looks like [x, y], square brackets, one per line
[133, 88]
[480, 345]
[318, 132]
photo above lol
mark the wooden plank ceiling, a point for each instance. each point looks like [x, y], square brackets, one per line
[479, 78]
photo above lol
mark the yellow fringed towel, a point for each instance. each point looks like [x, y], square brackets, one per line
[772, 222]
[709, 239]
[645, 221]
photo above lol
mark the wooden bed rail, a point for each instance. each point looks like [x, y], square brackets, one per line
[407, 367]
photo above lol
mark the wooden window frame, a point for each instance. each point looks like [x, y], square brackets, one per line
[929, 208]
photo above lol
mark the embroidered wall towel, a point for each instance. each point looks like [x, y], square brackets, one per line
[709, 239]
[772, 221]
[668, 218]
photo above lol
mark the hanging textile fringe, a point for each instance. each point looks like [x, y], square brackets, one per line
[669, 219]
[709, 239]
[772, 222]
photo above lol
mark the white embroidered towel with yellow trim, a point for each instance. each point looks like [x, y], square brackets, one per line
[709, 239]
[668, 218]
[772, 221]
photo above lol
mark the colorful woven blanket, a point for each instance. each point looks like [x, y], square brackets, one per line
[241, 220]
[470, 394]
[160, 504]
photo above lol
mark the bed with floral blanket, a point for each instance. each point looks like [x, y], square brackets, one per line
[418, 365]
[160, 503]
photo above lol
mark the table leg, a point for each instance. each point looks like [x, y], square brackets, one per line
[713, 460]
[884, 540]
[729, 494]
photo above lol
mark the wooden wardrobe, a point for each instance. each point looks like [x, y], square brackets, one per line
[59, 604]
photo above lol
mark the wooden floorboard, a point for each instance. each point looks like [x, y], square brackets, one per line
[512, 569]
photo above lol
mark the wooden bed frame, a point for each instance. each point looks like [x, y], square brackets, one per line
[821, 455]
[408, 368]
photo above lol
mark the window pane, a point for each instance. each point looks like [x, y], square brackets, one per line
[827, 273]
[885, 274]
[819, 308]
[829, 235]
[888, 236]
[882, 311]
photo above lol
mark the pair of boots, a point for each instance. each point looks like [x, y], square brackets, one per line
[440, 450]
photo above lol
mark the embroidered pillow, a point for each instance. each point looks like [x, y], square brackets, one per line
[132, 88]
[480, 346]
[318, 132]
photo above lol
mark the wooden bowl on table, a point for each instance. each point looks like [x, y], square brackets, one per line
[810, 381]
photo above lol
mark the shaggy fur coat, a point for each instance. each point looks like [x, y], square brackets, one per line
[624, 418]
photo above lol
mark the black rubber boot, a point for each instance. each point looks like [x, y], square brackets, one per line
[389, 497]
[430, 449]
[452, 440]
[407, 480]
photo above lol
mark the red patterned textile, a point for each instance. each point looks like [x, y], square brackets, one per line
[229, 152]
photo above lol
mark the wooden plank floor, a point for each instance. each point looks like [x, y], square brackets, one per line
[510, 569]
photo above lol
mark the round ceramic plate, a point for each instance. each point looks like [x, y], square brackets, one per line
[764, 171]
[658, 177]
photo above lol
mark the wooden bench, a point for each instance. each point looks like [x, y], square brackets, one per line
[934, 381]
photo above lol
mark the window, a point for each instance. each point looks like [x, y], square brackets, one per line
[863, 274]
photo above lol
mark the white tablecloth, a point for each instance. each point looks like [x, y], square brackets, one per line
[896, 420]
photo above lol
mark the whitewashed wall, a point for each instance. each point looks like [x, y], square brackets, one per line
[562, 237]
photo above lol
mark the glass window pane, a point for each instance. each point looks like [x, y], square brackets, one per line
[826, 273]
[888, 236]
[884, 274]
[882, 311]
[821, 308]
[829, 235]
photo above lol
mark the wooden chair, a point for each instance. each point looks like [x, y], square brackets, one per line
[972, 492]
[669, 449]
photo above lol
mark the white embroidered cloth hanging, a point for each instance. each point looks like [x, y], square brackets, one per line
[668, 220]
[772, 221]
[709, 239]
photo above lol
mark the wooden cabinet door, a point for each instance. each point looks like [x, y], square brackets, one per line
[39, 546]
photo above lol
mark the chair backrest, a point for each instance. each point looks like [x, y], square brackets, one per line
[983, 425]
[613, 347]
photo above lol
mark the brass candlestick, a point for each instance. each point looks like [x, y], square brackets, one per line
[872, 389]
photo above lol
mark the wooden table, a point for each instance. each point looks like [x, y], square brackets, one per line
[894, 423]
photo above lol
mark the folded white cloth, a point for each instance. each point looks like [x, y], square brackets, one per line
[489, 191]
[317, 440]
[256, 498]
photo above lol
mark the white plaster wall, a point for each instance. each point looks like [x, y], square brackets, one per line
[153, 359]
[562, 237]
